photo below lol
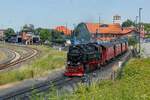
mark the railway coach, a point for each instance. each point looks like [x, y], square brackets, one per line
[124, 45]
[83, 58]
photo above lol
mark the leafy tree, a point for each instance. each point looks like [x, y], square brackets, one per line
[146, 27]
[8, 33]
[28, 28]
[51, 35]
[128, 23]
[58, 37]
[133, 41]
[45, 35]
[37, 31]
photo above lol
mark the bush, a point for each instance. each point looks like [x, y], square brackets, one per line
[133, 41]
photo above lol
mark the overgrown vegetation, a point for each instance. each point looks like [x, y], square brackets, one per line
[147, 36]
[128, 23]
[134, 85]
[147, 27]
[49, 60]
[133, 41]
[51, 36]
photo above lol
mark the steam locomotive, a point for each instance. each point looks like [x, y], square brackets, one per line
[83, 58]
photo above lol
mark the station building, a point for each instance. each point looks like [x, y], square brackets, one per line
[27, 37]
[102, 32]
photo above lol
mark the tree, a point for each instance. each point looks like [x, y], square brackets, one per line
[45, 35]
[28, 28]
[128, 23]
[8, 33]
[146, 27]
[51, 35]
[132, 41]
[58, 37]
[37, 31]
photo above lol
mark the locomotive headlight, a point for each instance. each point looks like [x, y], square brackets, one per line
[78, 63]
[68, 62]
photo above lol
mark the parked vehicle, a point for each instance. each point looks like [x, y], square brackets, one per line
[147, 40]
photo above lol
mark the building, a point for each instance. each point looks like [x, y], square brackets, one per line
[117, 19]
[64, 30]
[102, 32]
[2, 35]
[27, 37]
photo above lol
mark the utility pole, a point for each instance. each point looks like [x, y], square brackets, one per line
[136, 22]
[140, 9]
[136, 27]
[99, 20]
[94, 36]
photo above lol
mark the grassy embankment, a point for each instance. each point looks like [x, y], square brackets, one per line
[133, 85]
[48, 60]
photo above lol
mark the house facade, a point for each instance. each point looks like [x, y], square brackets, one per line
[2, 35]
[26, 37]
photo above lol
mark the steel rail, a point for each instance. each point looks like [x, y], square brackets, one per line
[46, 85]
[20, 60]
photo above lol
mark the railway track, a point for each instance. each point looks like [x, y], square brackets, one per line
[19, 57]
[26, 92]
[10, 55]
[44, 86]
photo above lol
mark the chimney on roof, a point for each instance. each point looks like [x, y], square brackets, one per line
[117, 19]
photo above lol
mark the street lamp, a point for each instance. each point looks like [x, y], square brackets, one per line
[139, 29]
[136, 22]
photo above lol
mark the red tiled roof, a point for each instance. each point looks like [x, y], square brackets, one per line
[108, 28]
[92, 27]
[125, 31]
[128, 30]
[63, 29]
[112, 28]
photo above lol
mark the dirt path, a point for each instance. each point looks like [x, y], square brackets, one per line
[2, 55]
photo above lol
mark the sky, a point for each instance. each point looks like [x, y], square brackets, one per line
[52, 13]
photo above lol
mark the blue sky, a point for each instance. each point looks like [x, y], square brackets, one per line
[50, 13]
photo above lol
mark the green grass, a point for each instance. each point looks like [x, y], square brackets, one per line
[48, 60]
[133, 85]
